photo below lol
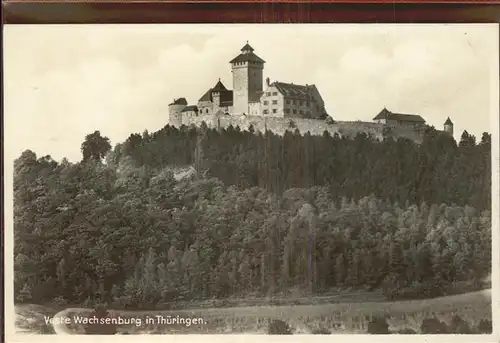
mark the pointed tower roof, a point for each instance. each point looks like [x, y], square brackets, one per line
[448, 122]
[247, 48]
[247, 55]
[219, 87]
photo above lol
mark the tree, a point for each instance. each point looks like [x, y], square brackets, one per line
[95, 147]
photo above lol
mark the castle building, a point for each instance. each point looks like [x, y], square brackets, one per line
[276, 105]
[248, 96]
[289, 100]
[387, 117]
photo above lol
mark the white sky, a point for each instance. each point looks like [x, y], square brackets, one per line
[65, 81]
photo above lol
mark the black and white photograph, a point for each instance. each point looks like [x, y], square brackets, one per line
[325, 179]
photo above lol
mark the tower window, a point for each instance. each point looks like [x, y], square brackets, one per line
[275, 102]
[268, 93]
[275, 93]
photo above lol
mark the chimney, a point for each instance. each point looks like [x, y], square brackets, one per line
[268, 82]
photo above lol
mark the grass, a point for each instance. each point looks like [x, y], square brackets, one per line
[341, 317]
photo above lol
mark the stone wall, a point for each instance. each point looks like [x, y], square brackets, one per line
[314, 126]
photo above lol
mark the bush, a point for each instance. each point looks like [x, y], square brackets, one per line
[485, 326]
[407, 331]
[459, 325]
[329, 120]
[279, 327]
[433, 326]
[378, 325]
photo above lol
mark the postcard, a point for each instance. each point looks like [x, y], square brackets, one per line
[242, 182]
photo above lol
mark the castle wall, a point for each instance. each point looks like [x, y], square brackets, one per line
[280, 125]
[174, 114]
[314, 126]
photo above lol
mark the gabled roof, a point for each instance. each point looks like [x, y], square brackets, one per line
[294, 91]
[219, 87]
[448, 122]
[225, 94]
[386, 114]
[190, 108]
[207, 96]
[180, 101]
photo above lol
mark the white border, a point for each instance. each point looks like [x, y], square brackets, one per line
[11, 336]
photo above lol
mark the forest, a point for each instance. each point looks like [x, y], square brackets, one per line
[263, 215]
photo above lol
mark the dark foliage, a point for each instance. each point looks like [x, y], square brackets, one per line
[279, 327]
[378, 325]
[394, 216]
[459, 326]
[433, 326]
[485, 326]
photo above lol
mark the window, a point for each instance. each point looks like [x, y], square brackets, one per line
[287, 110]
[294, 102]
[301, 112]
[307, 103]
[275, 102]
[206, 111]
[294, 111]
[266, 111]
[301, 103]
[266, 102]
[274, 110]
[275, 93]
[268, 93]
[288, 101]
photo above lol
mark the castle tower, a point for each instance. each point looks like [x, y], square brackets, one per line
[174, 111]
[247, 69]
[448, 126]
[216, 95]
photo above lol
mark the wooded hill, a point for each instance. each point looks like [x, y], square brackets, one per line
[264, 215]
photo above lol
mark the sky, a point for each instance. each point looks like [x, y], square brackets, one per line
[62, 82]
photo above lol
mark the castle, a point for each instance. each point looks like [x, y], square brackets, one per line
[279, 107]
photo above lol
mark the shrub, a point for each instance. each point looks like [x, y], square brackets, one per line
[279, 327]
[433, 326]
[485, 326]
[378, 325]
[329, 120]
[459, 325]
[407, 331]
